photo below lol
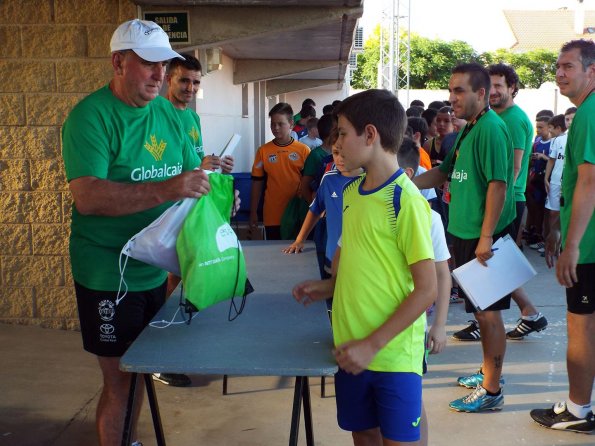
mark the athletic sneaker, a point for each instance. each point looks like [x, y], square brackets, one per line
[454, 295]
[472, 381]
[537, 245]
[478, 401]
[136, 443]
[558, 417]
[471, 333]
[172, 379]
[525, 327]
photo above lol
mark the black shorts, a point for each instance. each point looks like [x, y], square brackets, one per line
[464, 251]
[109, 329]
[581, 297]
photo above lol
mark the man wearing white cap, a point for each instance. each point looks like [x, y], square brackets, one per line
[126, 159]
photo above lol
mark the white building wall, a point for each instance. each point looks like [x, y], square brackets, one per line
[322, 97]
[219, 105]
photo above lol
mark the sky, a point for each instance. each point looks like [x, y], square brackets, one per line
[480, 23]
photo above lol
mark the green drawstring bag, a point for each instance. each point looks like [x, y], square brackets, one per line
[211, 258]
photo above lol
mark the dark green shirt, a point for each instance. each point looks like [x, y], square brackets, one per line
[485, 155]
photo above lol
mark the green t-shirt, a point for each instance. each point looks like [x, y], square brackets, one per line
[107, 139]
[313, 163]
[191, 124]
[384, 232]
[521, 131]
[485, 155]
[580, 149]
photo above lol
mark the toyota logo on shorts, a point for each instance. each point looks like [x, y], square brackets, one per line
[106, 328]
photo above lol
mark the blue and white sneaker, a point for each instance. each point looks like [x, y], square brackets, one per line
[472, 381]
[478, 401]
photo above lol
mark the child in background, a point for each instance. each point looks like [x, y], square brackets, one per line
[553, 170]
[329, 199]
[281, 161]
[311, 139]
[569, 116]
[419, 128]
[536, 193]
[385, 278]
[443, 127]
[408, 158]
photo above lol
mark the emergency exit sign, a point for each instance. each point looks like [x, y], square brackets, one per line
[174, 23]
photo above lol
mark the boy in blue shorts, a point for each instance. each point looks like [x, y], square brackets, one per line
[385, 278]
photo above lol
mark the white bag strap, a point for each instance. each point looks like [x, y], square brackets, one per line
[122, 269]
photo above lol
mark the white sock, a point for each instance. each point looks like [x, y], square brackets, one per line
[577, 410]
[533, 317]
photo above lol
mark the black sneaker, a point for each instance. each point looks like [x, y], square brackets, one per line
[525, 327]
[471, 333]
[172, 379]
[559, 418]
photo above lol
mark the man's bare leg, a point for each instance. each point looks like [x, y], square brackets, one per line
[580, 356]
[111, 409]
[522, 300]
[493, 343]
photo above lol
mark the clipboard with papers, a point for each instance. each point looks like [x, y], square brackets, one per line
[507, 270]
[231, 145]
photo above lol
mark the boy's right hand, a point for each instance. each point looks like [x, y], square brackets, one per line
[295, 248]
[313, 290]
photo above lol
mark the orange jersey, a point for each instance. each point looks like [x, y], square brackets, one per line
[282, 165]
[424, 159]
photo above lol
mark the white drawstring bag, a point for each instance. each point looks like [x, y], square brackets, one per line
[156, 244]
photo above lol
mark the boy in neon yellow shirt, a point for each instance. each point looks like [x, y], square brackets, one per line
[385, 278]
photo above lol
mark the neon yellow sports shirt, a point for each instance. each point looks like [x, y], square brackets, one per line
[384, 231]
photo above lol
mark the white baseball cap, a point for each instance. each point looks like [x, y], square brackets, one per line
[145, 38]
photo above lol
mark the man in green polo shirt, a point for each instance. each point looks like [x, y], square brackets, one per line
[505, 86]
[575, 269]
[183, 80]
[481, 210]
[126, 159]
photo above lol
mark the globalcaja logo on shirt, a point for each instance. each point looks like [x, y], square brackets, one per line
[273, 158]
[459, 175]
[156, 149]
[150, 173]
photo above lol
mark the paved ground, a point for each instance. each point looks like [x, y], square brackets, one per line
[49, 389]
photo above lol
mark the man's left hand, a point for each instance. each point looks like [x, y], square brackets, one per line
[483, 252]
[227, 164]
[566, 266]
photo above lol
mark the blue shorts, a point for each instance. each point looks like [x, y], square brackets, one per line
[389, 400]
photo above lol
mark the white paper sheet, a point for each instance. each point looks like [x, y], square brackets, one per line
[231, 145]
[507, 270]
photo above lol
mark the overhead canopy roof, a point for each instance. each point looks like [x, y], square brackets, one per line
[293, 44]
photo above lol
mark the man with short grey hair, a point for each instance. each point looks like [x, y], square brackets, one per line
[575, 268]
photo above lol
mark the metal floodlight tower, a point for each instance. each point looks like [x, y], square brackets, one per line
[395, 43]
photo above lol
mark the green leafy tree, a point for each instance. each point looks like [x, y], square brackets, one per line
[533, 67]
[431, 61]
